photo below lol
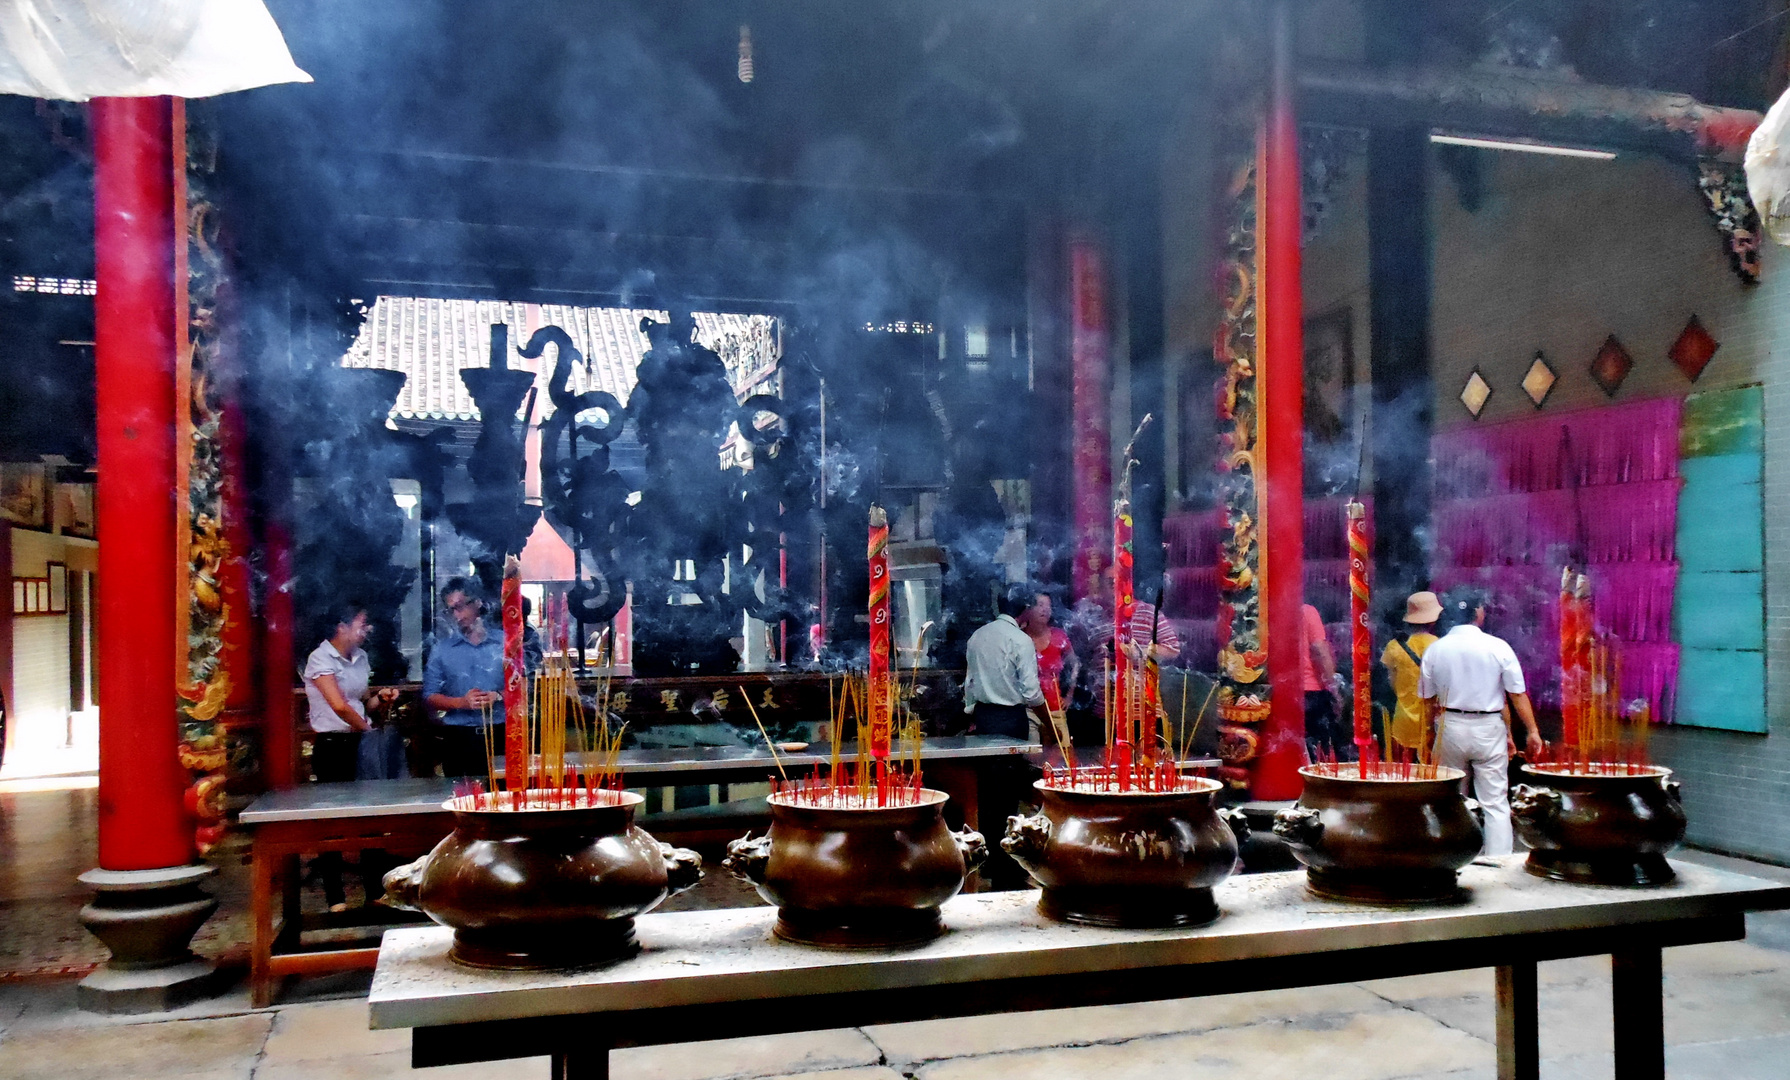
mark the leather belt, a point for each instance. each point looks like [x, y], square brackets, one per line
[1476, 712]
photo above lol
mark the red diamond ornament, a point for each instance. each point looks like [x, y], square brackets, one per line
[1693, 349]
[1612, 365]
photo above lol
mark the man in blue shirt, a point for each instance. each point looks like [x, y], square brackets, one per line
[464, 676]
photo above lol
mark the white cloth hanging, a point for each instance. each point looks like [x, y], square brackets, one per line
[73, 50]
[1768, 170]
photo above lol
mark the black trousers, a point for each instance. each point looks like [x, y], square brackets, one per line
[334, 755]
[1003, 785]
[463, 750]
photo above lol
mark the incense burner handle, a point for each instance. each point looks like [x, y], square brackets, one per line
[1238, 823]
[748, 856]
[1674, 791]
[402, 885]
[1299, 825]
[1535, 806]
[1027, 837]
[683, 867]
[973, 847]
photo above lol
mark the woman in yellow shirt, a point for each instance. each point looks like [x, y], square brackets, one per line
[1403, 658]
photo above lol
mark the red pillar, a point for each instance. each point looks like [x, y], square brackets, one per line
[143, 824]
[1280, 311]
[1092, 451]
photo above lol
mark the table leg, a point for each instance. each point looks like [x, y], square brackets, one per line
[261, 921]
[581, 1065]
[1519, 1044]
[1637, 991]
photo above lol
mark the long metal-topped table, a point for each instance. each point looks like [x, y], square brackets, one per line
[407, 815]
[720, 974]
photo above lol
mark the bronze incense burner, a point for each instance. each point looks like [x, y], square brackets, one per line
[1382, 838]
[1599, 824]
[1127, 858]
[848, 875]
[543, 887]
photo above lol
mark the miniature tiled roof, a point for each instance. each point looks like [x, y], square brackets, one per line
[430, 340]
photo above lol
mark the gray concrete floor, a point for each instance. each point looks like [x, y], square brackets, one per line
[1727, 1018]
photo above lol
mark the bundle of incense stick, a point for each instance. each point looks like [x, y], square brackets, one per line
[1598, 733]
[572, 753]
[852, 783]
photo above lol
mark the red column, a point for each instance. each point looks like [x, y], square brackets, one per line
[1283, 423]
[1092, 451]
[142, 822]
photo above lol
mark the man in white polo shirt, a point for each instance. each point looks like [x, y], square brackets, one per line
[1467, 676]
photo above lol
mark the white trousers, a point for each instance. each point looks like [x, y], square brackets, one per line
[1478, 745]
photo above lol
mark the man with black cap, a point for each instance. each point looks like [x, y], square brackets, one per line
[1468, 676]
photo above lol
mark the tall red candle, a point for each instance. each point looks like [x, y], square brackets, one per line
[1361, 644]
[881, 696]
[515, 681]
[1124, 610]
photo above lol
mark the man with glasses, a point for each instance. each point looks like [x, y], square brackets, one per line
[463, 682]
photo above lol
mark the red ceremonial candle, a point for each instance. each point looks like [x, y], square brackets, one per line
[1362, 634]
[881, 703]
[1124, 609]
[515, 684]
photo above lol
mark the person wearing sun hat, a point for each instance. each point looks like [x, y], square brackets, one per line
[1403, 660]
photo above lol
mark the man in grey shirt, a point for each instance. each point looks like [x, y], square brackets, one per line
[1000, 682]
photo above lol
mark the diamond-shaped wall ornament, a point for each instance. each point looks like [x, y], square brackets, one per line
[1611, 365]
[1539, 382]
[1693, 349]
[1475, 394]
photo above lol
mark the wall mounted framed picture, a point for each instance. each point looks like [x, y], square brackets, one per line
[22, 495]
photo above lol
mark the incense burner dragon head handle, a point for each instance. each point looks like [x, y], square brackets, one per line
[1674, 791]
[1238, 823]
[1535, 806]
[973, 847]
[1027, 837]
[748, 856]
[683, 868]
[402, 885]
[1300, 825]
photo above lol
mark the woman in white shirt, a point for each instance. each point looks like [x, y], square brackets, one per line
[336, 690]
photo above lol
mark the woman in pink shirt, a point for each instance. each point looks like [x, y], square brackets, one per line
[1325, 737]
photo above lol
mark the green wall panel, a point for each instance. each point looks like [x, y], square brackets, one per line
[1723, 422]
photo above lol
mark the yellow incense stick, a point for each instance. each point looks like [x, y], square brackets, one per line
[769, 745]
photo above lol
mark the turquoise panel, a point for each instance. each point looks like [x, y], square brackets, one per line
[1722, 688]
[1721, 514]
[1720, 610]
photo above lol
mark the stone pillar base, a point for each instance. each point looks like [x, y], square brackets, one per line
[147, 918]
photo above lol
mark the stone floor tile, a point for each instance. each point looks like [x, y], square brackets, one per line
[335, 1029]
[1575, 1019]
[226, 1046]
[1439, 984]
[1710, 1009]
[932, 1040]
[1723, 958]
[1735, 1059]
[1363, 1046]
[757, 1056]
[874, 1072]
